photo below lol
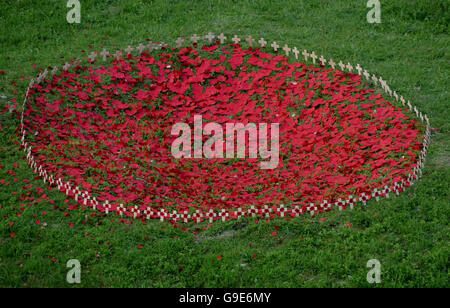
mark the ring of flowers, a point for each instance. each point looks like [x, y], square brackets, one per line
[198, 216]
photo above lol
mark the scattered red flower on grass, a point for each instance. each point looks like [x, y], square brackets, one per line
[219, 257]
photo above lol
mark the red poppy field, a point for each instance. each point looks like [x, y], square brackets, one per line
[105, 130]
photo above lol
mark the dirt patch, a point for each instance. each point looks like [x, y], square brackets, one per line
[225, 234]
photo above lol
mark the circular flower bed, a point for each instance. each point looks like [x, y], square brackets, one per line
[105, 127]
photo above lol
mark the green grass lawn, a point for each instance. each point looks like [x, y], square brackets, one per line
[408, 234]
